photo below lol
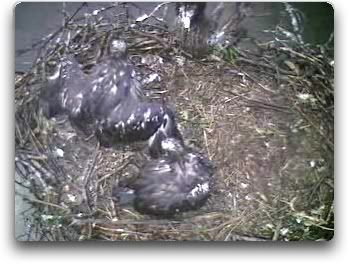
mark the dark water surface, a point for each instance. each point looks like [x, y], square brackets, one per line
[318, 21]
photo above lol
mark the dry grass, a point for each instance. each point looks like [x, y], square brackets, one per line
[267, 127]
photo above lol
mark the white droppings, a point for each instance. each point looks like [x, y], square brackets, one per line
[79, 96]
[180, 60]
[247, 197]
[72, 198]
[119, 45]
[244, 185]
[60, 152]
[46, 217]
[192, 156]
[270, 226]
[284, 231]
[121, 73]
[303, 96]
[312, 163]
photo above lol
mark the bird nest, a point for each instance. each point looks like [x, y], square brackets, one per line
[264, 118]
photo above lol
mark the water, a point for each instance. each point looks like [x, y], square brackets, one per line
[33, 21]
[318, 21]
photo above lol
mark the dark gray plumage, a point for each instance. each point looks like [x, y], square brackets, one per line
[178, 181]
[110, 99]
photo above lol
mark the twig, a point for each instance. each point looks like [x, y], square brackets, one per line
[144, 34]
[122, 222]
[264, 65]
[114, 172]
[311, 59]
[33, 200]
[259, 84]
[145, 16]
[261, 103]
[326, 139]
[277, 231]
[91, 169]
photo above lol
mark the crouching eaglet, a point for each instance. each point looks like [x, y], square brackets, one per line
[109, 98]
[178, 181]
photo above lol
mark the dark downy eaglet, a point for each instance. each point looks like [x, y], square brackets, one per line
[178, 181]
[109, 98]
